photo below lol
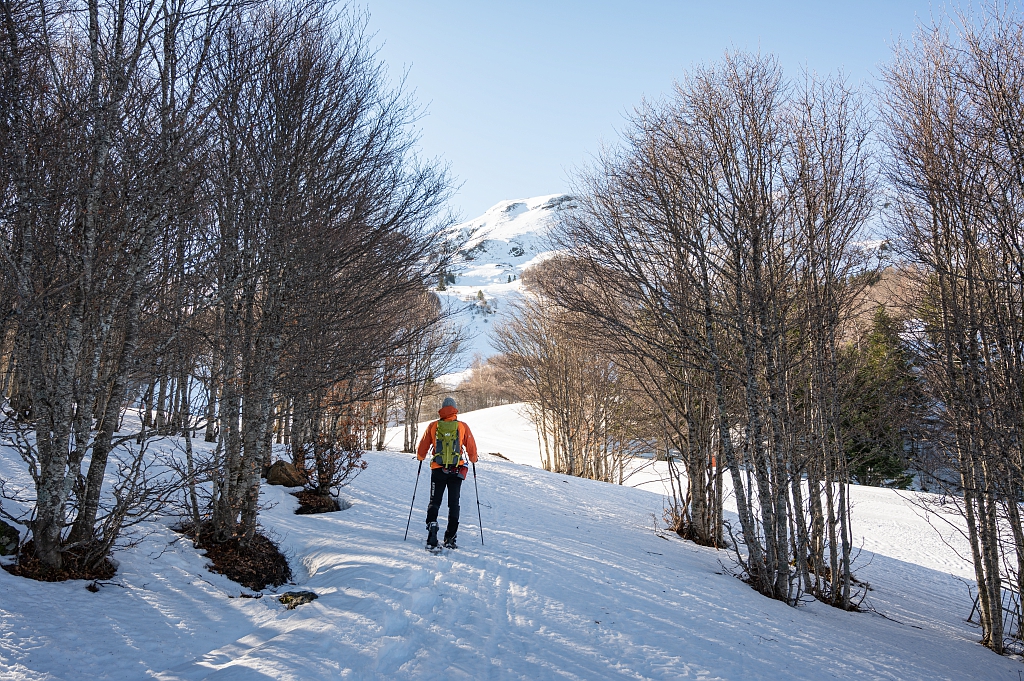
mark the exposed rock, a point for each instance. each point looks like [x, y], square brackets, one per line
[294, 599]
[286, 474]
[559, 202]
[9, 538]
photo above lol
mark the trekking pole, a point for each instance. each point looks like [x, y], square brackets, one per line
[480, 522]
[409, 521]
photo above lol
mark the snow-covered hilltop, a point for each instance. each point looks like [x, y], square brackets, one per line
[497, 246]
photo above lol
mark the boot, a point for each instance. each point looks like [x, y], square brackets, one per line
[449, 543]
[432, 535]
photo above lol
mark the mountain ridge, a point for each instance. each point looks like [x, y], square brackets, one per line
[495, 249]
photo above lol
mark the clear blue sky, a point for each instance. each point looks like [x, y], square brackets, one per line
[519, 93]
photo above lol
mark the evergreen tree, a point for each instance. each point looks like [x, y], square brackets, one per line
[880, 405]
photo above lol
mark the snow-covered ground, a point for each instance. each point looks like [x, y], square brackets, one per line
[497, 247]
[504, 430]
[881, 516]
[573, 582]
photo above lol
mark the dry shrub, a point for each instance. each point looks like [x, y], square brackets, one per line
[336, 462]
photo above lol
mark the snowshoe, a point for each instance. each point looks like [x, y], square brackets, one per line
[450, 543]
[432, 536]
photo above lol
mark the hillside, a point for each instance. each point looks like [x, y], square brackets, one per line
[497, 247]
[573, 582]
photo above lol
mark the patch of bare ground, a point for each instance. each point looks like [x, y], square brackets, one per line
[313, 502]
[897, 289]
[255, 564]
[78, 563]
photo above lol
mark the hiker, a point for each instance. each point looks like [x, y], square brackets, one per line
[451, 443]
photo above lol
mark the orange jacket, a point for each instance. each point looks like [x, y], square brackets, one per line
[466, 441]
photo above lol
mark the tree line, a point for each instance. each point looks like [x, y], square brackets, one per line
[712, 300]
[214, 213]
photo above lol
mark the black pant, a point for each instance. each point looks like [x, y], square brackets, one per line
[439, 481]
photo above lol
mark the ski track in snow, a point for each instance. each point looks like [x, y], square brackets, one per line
[572, 583]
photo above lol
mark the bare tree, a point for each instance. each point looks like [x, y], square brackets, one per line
[196, 191]
[484, 387]
[953, 108]
[325, 224]
[582, 413]
[715, 249]
[95, 150]
[430, 350]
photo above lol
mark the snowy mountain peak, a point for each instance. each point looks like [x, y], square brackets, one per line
[528, 221]
[495, 249]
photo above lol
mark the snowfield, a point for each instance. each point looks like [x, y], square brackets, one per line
[574, 582]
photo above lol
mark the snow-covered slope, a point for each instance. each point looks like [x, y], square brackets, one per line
[505, 430]
[573, 582]
[497, 247]
[881, 518]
